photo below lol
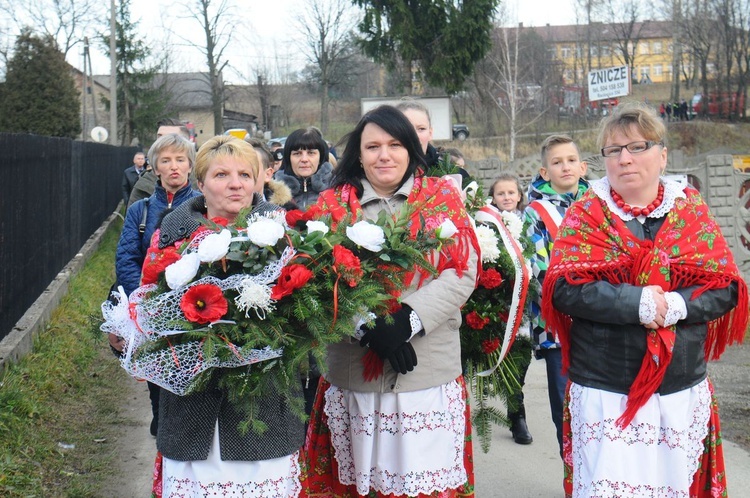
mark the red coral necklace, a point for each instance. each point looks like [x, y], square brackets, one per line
[636, 211]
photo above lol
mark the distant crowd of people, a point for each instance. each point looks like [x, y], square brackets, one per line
[634, 411]
[675, 111]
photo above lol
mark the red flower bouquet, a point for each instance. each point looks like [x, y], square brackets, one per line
[256, 298]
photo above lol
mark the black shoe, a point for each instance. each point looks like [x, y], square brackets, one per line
[154, 426]
[520, 430]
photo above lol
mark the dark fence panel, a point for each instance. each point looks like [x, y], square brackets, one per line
[54, 193]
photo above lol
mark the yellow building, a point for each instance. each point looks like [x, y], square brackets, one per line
[649, 43]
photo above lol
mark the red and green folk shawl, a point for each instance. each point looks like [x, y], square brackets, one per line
[689, 250]
[434, 201]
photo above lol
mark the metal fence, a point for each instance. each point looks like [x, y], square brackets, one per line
[54, 194]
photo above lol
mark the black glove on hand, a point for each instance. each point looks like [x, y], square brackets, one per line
[385, 338]
[404, 359]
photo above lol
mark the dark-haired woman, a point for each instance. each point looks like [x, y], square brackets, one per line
[406, 432]
[305, 168]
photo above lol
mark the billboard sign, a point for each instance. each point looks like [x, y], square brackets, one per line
[609, 82]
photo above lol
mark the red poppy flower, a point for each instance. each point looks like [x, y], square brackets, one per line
[490, 278]
[294, 217]
[204, 303]
[156, 262]
[490, 345]
[475, 321]
[347, 264]
[292, 277]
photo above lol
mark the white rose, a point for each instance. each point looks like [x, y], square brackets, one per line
[366, 235]
[317, 226]
[487, 243]
[265, 232]
[181, 272]
[446, 230]
[214, 246]
[513, 223]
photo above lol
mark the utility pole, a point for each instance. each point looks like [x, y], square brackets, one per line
[84, 85]
[112, 75]
[92, 88]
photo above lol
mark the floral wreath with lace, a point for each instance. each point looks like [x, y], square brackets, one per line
[255, 299]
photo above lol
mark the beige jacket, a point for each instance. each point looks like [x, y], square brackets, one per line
[437, 302]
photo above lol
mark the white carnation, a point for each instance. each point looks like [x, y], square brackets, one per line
[446, 230]
[366, 235]
[254, 296]
[513, 223]
[317, 226]
[182, 271]
[488, 242]
[265, 232]
[214, 246]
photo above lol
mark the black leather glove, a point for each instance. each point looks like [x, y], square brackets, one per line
[404, 358]
[385, 338]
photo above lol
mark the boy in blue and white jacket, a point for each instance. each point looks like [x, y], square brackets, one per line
[559, 183]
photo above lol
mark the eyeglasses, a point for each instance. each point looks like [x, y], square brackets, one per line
[632, 147]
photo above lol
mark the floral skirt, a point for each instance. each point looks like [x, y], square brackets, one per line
[672, 449]
[364, 444]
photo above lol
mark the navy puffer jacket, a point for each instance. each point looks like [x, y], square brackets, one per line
[132, 247]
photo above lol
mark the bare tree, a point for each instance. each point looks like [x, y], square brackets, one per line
[218, 23]
[697, 20]
[328, 41]
[624, 19]
[742, 32]
[518, 90]
[66, 21]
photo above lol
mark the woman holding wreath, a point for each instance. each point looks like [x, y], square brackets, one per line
[405, 430]
[203, 449]
[641, 418]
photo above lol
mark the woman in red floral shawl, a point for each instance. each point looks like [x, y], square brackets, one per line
[404, 429]
[642, 290]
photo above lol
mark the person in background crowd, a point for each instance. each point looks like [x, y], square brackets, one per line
[131, 174]
[642, 416]
[273, 191]
[559, 183]
[304, 168]
[172, 157]
[506, 195]
[419, 116]
[277, 152]
[144, 187]
[408, 431]
[205, 453]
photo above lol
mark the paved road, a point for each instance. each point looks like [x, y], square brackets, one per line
[509, 470]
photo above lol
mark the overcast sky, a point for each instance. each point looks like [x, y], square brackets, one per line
[268, 33]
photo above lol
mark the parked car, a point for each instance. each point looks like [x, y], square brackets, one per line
[460, 132]
[281, 140]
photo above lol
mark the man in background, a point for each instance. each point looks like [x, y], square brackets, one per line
[131, 175]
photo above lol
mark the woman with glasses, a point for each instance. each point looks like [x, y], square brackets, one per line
[641, 418]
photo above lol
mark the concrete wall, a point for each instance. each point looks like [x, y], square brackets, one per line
[720, 183]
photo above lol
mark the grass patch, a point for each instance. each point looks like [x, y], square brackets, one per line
[58, 407]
